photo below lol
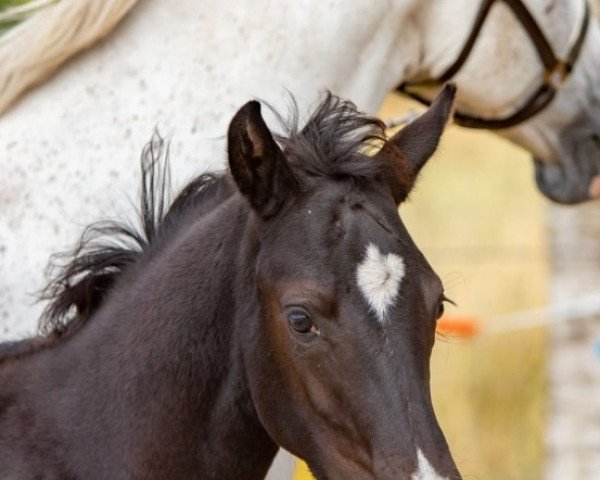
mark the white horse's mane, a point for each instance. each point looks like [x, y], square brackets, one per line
[36, 48]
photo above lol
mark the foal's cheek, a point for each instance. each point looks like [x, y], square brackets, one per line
[270, 326]
[275, 336]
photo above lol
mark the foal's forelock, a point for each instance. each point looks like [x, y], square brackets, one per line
[334, 142]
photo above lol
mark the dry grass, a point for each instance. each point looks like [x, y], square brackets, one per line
[479, 220]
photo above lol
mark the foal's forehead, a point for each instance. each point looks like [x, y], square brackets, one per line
[343, 219]
[352, 195]
[344, 226]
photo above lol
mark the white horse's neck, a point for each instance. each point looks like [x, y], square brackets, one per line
[257, 49]
[188, 69]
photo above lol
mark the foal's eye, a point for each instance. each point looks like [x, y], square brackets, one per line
[440, 309]
[301, 322]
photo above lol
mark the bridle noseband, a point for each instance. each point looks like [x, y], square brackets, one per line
[556, 70]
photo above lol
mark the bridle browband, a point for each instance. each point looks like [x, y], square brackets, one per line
[556, 70]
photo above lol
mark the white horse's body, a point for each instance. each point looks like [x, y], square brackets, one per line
[69, 149]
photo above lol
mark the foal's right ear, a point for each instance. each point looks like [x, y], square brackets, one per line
[257, 164]
[407, 151]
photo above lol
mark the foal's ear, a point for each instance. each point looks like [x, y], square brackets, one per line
[257, 164]
[407, 151]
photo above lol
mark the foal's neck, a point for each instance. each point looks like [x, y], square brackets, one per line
[207, 271]
[158, 371]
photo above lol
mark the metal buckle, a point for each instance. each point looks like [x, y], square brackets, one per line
[556, 76]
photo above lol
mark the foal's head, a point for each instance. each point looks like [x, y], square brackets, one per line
[337, 359]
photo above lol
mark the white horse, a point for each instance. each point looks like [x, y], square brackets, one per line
[69, 148]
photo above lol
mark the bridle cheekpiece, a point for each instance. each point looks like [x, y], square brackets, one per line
[556, 70]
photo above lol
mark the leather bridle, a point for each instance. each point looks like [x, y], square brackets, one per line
[556, 70]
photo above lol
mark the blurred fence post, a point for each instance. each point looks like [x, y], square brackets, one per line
[573, 439]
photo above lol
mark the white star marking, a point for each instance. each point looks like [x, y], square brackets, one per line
[379, 278]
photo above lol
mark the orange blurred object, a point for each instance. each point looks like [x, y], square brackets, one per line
[465, 327]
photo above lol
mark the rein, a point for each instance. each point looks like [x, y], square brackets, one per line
[556, 70]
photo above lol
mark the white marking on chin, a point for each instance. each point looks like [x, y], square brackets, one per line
[425, 470]
[379, 278]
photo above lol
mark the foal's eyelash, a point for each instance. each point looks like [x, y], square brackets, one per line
[448, 300]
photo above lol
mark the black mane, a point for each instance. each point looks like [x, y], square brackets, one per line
[82, 278]
[334, 140]
[332, 143]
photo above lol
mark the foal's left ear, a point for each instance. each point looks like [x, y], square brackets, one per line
[407, 151]
[257, 164]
